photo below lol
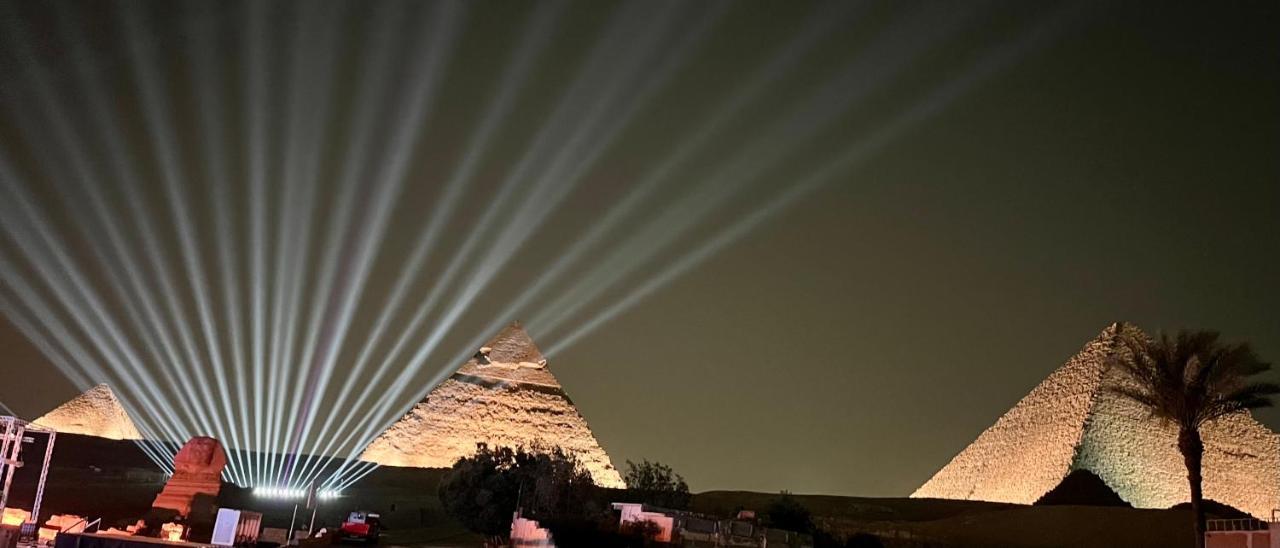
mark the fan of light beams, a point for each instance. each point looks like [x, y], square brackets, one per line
[280, 224]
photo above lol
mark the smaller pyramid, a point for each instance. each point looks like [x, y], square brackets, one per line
[1082, 488]
[96, 412]
[503, 396]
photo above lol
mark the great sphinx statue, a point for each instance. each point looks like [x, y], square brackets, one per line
[197, 470]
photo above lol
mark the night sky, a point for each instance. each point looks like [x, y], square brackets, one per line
[999, 181]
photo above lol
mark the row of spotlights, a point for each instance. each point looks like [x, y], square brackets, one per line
[291, 493]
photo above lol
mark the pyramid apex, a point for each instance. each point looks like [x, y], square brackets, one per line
[512, 345]
[101, 388]
[510, 355]
[1118, 328]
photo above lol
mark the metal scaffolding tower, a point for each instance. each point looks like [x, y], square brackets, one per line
[13, 433]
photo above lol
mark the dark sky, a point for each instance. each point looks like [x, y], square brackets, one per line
[1009, 179]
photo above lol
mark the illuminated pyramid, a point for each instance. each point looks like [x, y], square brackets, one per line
[1070, 422]
[96, 412]
[502, 396]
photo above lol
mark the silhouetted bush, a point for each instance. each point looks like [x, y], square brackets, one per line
[785, 512]
[484, 490]
[656, 484]
[863, 540]
[601, 533]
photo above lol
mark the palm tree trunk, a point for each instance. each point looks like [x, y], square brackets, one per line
[1192, 454]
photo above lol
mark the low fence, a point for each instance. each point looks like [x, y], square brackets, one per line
[1242, 533]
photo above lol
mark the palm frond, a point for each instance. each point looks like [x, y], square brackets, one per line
[1250, 396]
[1254, 390]
[1141, 397]
[1232, 363]
[1190, 377]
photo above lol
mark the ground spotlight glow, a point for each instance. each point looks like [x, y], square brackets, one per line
[291, 493]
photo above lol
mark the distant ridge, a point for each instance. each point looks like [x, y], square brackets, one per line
[503, 396]
[1071, 422]
[96, 412]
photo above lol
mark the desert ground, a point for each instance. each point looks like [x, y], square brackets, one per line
[113, 480]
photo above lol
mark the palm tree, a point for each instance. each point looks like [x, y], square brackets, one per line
[1190, 380]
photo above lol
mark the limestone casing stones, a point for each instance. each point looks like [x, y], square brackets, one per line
[96, 412]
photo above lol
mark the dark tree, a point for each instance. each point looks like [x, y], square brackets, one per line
[785, 512]
[484, 490]
[656, 484]
[480, 491]
[864, 540]
[644, 531]
[1188, 381]
[556, 487]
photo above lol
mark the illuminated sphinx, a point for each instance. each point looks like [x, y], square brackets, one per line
[197, 471]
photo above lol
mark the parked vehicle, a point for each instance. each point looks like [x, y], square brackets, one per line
[362, 526]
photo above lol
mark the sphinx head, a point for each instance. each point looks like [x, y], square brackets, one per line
[200, 455]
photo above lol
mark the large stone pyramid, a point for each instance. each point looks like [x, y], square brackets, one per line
[502, 396]
[1070, 422]
[96, 412]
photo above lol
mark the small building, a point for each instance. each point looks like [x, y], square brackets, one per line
[1243, 533]
[634, 513]
[527, 532]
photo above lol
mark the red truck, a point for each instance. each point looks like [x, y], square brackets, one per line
[362, 526]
